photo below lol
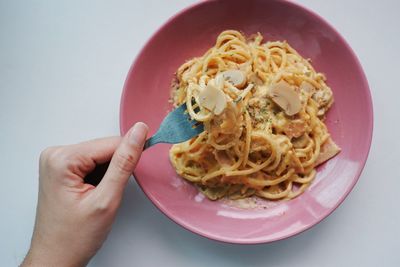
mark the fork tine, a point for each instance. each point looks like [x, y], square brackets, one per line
[199, 128]
[192, 122]
[177, 127]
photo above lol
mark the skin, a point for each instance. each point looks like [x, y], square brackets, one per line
[73, 219]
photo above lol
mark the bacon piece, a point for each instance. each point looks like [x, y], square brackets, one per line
[328, 150]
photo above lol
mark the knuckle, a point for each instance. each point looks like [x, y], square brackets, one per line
[46, 153]
[126, 162]
[103, 207]
[54, 158]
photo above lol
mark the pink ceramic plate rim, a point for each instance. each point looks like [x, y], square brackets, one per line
[369, 114]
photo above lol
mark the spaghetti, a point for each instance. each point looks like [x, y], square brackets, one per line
[263, 107]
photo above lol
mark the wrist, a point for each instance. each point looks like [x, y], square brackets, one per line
[39, 255]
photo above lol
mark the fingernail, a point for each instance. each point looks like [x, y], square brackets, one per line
[138, 134]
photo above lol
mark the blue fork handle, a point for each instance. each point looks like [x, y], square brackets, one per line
[151, 142]
[95, 176]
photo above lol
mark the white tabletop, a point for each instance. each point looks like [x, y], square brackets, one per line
[62, 68]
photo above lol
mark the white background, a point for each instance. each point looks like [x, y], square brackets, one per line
[62, 68]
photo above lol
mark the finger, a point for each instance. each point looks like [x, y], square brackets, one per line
[123, 161]
[99, 150]
[84, 157]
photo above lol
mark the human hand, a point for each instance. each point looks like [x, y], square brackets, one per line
[74, 218]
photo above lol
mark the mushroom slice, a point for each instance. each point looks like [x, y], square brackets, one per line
[212, 99]
[236, 77]
[285, 97]
[307, 87]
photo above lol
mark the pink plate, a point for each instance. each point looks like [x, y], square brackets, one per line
[190, 33]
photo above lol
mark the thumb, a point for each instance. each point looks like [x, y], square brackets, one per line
[123, 161]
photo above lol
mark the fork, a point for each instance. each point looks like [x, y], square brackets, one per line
[176, 127]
